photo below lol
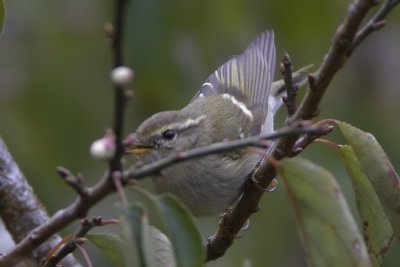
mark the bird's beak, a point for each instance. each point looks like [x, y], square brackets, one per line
[133, 146]
[139, 149]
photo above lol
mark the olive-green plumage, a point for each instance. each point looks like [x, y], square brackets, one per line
[231, 104]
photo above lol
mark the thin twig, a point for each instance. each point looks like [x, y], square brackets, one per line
[75, 181]
[85, 254]
[120, 97]
[72, 242]
[299, 78]
[116, 177]
[308, 139]
[374, 24]
[291, 90]
[334, 58]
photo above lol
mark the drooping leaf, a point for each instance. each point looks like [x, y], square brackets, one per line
[326, 226]
[183, 232]
[379, 170]
[151, 201]
[378, 233]
[173, 219]
[110, 245]
[131, 218]
[147, 244]
[163, 251]
[153, 248]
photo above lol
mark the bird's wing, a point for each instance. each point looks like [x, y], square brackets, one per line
[246, 79]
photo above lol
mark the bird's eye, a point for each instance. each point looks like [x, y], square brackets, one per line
[169, 134]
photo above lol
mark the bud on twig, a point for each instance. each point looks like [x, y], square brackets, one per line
[104, 148]
[122, 76]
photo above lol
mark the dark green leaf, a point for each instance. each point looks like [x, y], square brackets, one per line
[110, 245]
[153, 248]
[378, 169]
[326, 226]
[172, 218]
[131, 218]
[162, 249]
[147, 244]
[153, 207]
[183, 232]
[378, 233]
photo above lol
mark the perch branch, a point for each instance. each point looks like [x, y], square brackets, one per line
[220, 147]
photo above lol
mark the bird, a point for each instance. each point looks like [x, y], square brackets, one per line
[233, 103]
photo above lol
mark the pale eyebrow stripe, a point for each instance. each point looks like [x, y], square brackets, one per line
[186, 124]
[239, 104]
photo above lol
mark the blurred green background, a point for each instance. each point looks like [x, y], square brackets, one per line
[56, 96]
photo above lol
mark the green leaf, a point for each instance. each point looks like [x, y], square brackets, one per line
[170, 216]
[151, 201]
[378, 233]
[183, 232]
[326, 226]
[163, 250]
[131, 219]
[2, 15]
[110, 245]
[149, 245]
[378, 169]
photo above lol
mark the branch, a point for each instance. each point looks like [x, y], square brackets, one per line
[308, 139]
[220, 147]
[75, 181]
[20, 209]
[62, 218]
[291, 90]
[334, 59]
[120, 97]
[299, 78]
[374, 24]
